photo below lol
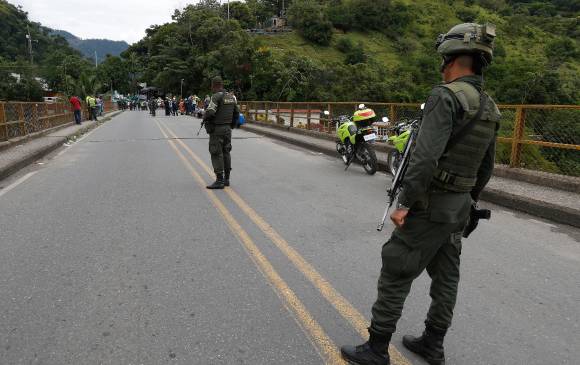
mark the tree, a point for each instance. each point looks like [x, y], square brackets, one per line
[241, 12]
[114, 72]
[310, 19]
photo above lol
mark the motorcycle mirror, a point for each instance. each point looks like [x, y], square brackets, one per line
[385, 119]
[422, 106]
[326, 112]
[361, 106]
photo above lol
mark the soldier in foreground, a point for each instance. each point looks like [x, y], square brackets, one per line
[220, 117]
[449, 168]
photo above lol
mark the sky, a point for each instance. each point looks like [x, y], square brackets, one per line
[111, 19]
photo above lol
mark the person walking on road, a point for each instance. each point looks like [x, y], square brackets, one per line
[449, 168]
[92, 106]
[174, 107]
[76, 105]
[220, 117]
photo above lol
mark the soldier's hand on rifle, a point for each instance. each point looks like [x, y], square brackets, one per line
[398, 216]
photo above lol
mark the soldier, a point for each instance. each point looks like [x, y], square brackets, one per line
[219, 119]
[448, 169]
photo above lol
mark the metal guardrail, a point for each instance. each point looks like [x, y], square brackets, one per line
[20, 119]
[536, 137]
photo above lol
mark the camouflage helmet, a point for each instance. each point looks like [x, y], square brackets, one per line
[468, 38]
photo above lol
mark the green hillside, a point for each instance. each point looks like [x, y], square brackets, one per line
[533, 49]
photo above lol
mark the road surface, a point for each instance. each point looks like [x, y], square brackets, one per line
[113, 252]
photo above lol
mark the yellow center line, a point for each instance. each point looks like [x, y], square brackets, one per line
[324, 345]
[341, 304]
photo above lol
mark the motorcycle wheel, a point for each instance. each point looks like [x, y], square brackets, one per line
[394, 161]
[369, 161]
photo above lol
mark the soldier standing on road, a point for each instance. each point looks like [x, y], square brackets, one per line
[220, 117]
[441, 181]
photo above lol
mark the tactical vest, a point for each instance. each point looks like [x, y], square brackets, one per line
[458, 166]
[225, 109]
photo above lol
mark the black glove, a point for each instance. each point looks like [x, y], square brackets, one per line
[474, 216]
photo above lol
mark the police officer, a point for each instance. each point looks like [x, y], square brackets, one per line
[220, 117]
[442, 181]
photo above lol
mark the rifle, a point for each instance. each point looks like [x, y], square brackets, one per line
[201, 126]
[397, 183]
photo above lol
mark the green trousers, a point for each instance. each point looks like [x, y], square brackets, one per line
[220, 145]
[420, 244]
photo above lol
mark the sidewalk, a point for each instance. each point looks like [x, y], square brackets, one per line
[22, 154]
[562, 206]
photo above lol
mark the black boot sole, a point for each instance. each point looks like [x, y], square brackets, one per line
[419, 351]
[349, 360]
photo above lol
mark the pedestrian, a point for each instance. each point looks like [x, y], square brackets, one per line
[76, 105]
[206, 101]
[99, 106]
[174, 106]
[152, 106]
[92, 107]
[167, 105]
[449, 168]
[181, 106]
[220, 115]
[187, 106]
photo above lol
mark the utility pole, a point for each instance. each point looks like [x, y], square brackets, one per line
[228, 9]
[29, 38]
[181, 94]
[96, 63]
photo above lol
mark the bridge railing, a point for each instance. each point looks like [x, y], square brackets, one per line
[20, 119]
[537, 137]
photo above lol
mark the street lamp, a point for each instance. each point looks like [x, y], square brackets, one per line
[181, 93]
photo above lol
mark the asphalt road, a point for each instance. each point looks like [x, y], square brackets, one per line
[112, 252]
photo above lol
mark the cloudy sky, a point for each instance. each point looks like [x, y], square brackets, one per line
[111, 19]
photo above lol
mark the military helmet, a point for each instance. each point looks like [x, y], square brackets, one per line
[468, 38]
[363, 114]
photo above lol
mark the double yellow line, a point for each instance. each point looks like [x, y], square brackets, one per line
[323, 343]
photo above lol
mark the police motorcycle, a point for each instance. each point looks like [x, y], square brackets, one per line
[401, 133]
[355, 138]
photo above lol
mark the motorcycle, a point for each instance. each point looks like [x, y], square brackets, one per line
[355, 140]
[401, 133]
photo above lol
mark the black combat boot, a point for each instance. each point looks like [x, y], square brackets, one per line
[227, 178]
[429, 345]
[219, 182]
[373, 352]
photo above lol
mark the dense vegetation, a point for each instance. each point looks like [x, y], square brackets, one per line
[384, 47]
[373, 50]
[54, 61]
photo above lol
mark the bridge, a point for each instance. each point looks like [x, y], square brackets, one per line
[113, 252]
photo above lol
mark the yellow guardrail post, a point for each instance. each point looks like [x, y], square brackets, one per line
[308, 116]
[21, 120]
[392, 114]
[3, 122]
[519, 127]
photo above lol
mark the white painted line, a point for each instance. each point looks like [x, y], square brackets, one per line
[16, 183]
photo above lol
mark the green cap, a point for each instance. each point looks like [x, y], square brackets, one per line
[468, 38]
